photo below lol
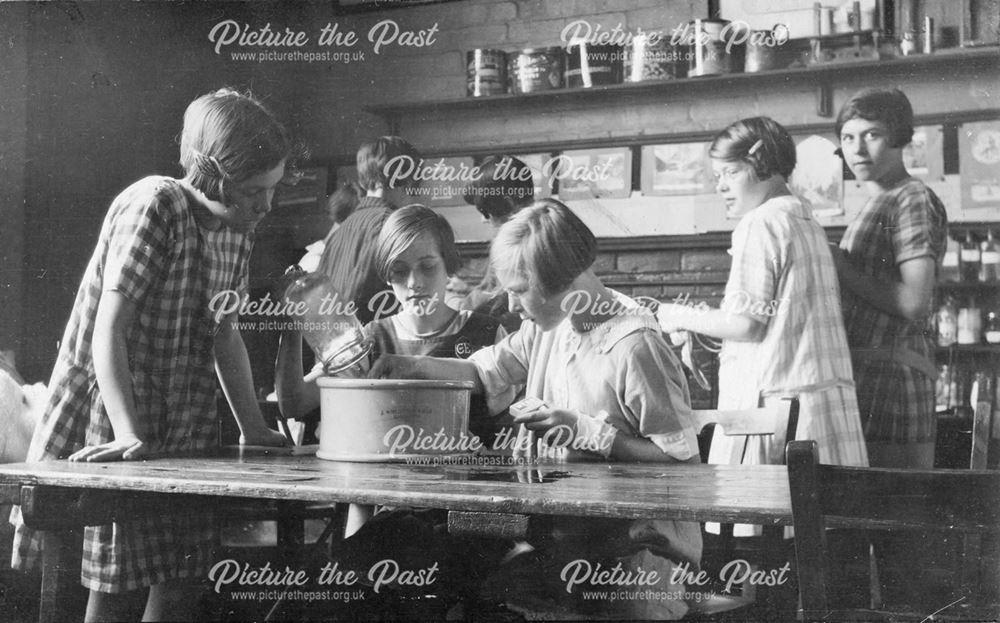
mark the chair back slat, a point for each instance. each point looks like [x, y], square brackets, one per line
[879, 498]
[982, 394]
[810, 530]
[766, 420]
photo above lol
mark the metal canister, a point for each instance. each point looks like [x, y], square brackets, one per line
[765, 51]
[486, 72]
[535, 69]
[652, 57]
[590, 65]
[928, 38]
[713, 50]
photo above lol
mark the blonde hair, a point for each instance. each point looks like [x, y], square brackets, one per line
[546, 243]
[228, 137]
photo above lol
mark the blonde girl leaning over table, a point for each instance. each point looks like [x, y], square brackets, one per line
[598, 362]
[135, 375]
[780, 322]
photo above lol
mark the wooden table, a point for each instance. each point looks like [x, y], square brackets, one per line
[494, 499]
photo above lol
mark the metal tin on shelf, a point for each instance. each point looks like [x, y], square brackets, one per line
[765, 49]
[711, 52]
[486, 72]
[590, 65]
[653, 57]
[535, 69]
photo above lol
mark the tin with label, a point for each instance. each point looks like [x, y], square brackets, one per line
[486, 72]
[653, 57]
[589, 65]
[714, 49]
[535, 69]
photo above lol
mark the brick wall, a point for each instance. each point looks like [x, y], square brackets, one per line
[13, 136]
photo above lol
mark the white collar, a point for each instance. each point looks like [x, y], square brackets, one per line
[631, 318]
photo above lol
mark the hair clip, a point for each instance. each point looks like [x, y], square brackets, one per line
[209, 165]
[753, 148]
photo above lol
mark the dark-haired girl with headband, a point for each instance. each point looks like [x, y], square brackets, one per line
[151, 328]
[780, 321]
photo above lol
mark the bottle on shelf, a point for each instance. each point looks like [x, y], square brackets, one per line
[989, 270]
[971, 258]
[947, 322]
[949, 264]
[992, 329]
[955, 389]
[970, 324]
[942, 388]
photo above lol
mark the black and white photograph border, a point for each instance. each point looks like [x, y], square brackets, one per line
[92, 97]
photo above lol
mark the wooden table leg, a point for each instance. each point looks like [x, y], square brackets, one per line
[61, 590]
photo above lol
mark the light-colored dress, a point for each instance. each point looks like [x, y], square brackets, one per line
[783, 274]
[623, 372]
[153, 251]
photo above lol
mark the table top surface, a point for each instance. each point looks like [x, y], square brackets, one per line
[748, 493]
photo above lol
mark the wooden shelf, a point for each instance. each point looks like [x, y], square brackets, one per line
[969, 349]
[983, 59]
[977, 286]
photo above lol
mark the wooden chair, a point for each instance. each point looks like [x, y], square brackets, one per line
[889, 499]
[767, 420]
[985, 427]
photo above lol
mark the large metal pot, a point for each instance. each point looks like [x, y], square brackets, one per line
[387, 420]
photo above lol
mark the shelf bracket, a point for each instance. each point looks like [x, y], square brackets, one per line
[824, 99]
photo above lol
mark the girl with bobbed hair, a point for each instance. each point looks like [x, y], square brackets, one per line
[504, 186]
[152, 326]
[888, 262]
[606, 387]
[780, 322]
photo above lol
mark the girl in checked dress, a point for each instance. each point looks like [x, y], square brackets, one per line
[152, 326]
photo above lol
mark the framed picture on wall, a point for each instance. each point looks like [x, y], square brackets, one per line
[676, 169]
[540, 172]
[448, 180]
[819, 174]
[979, 165]
[301, 191]
[593, 173]
[924, 156]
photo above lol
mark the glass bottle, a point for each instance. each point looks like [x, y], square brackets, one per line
[950, 264]
[942, 388]
[989, 259]
[970, 324]
[992, 329]
[947, 322]
[329, 325]
[971, 258]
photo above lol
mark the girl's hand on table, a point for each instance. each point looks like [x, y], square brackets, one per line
[545, 418]
[124, 448]
[263, 437]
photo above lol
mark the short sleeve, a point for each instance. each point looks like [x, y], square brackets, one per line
[755, 270]
[140, 238]
[656, 396]
[503, 367]
[243, 269]
[918, 232]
